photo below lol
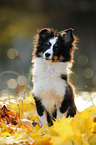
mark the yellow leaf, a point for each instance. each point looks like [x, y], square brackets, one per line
[44, 141]
[24, 138]
[29, 100]
[36, 135]
[57, 140]
[63, 128]
[92, 140]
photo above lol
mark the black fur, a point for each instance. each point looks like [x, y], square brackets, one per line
[54, 114]
[49, 119]
[64, 77]
[39, 106]
[68, 102]
[44, 35]
[64, 46]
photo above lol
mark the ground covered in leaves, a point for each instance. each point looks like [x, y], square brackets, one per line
[19, 124]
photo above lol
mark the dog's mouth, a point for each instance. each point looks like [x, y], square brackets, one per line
[54, 59]
[47, 59]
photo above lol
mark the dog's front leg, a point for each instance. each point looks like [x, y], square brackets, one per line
[41, 111]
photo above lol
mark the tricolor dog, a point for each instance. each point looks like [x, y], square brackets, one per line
[52, 60]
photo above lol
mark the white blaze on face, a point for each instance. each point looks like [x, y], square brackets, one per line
[50, 50]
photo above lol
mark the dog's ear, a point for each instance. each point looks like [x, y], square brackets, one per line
[67, 35]
[45, 33]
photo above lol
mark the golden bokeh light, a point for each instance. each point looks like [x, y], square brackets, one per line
[12, 83]
[12, 53]
[21, 80]
[88, 73]
[82, 60]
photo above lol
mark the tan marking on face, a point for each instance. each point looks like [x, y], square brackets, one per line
[55, 58]
[48, 44]
[55, 45]
[61, 58]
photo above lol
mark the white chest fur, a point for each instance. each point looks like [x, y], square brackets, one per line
[47, 83]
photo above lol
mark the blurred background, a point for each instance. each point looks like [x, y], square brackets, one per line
[19, 22]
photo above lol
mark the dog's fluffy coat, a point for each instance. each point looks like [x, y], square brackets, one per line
[52, 58]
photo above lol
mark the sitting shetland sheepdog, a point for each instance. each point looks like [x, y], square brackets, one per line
[52, 59]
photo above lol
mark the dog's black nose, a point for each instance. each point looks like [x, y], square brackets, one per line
[47, 54]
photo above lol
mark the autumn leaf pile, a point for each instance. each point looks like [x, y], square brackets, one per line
[19, 124]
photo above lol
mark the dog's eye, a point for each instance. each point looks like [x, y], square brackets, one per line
[46, 46]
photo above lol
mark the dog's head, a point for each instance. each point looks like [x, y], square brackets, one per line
[55, 46]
